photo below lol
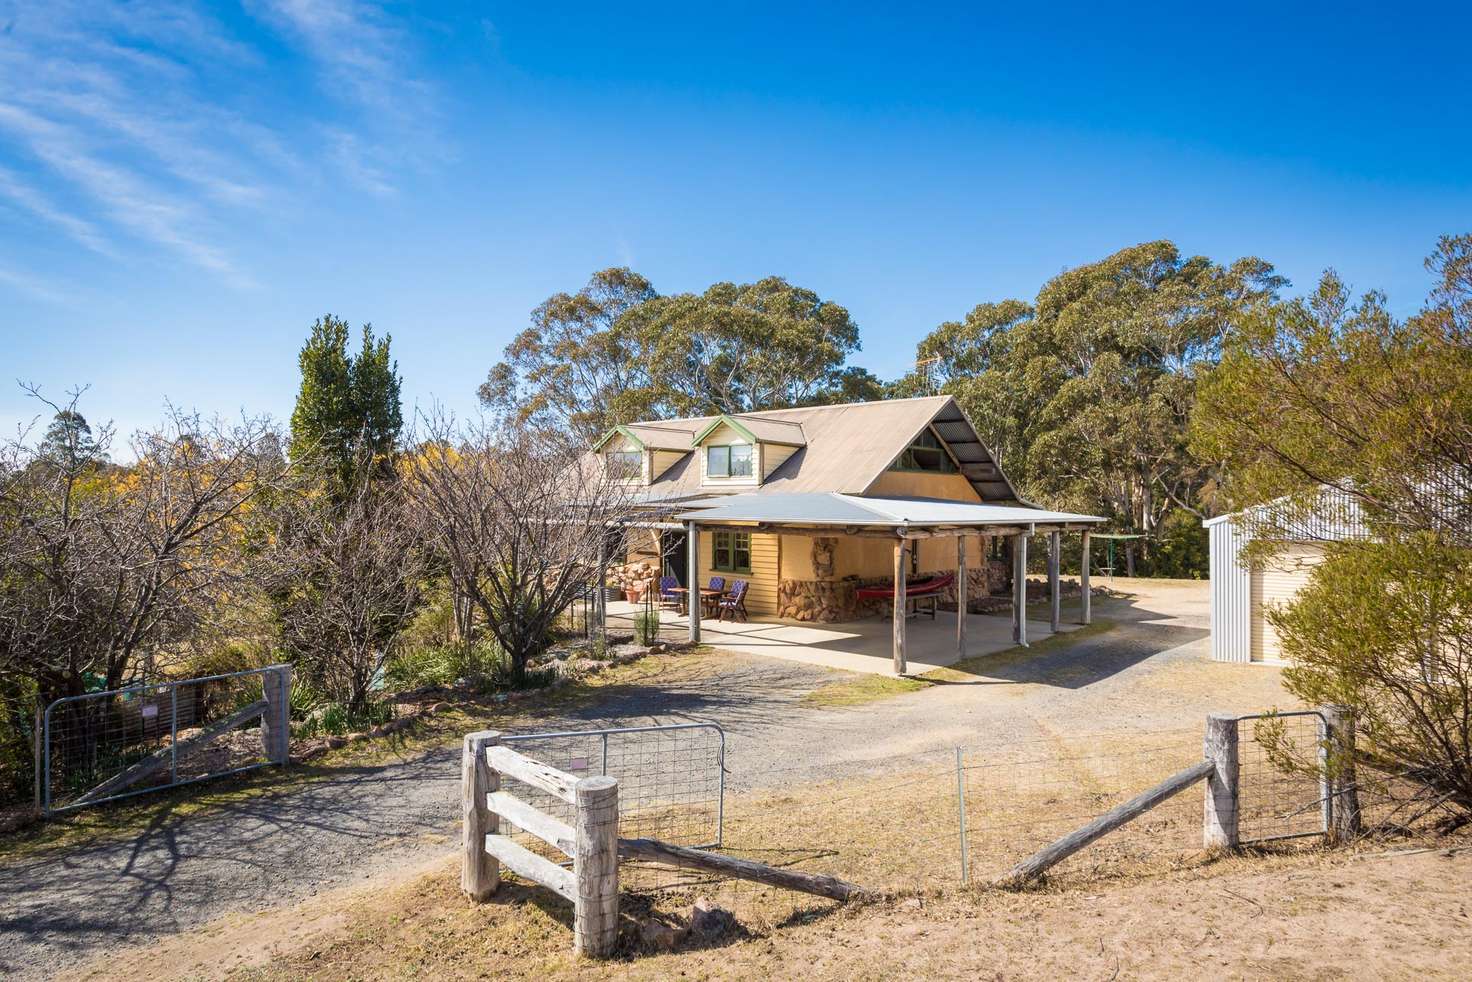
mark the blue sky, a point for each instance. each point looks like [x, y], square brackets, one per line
[185, 187]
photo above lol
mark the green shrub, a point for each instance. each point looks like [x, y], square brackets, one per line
[646, 627]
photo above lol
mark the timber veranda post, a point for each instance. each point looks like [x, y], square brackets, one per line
[1085, 610]
[1019, 589]
[963, 593]
[692, 580]
[480, 873]
[1055, 608]
[900, 602]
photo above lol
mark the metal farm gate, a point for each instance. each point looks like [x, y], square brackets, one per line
[672, 777]
[108, 745]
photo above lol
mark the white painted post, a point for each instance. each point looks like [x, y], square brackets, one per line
[1219, 822]
[276, 721]
[1337, 774]
[595, 866]
[692, 579]
[480, 873]
[1085, 615]
[1019, 589]
[900, 602]
[1055, 609]
[963, 591]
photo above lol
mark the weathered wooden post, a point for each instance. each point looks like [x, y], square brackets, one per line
[692, 579]
[1019, 589]
[595, 866]
[1337, 788]
[480, 873]
[1086, 597]
[276, 720]
[1054, 601]
[1219, 823]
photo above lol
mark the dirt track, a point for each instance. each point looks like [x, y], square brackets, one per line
[1150, 673]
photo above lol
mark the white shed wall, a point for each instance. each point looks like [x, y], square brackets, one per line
[1231, 594]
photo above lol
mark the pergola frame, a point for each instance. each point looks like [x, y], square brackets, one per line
[902, 536]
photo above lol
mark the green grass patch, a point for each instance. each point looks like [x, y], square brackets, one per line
[857, 690]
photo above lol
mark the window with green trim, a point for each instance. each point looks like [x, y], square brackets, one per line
[733, 460]
[731, 552]
[927, 453]
[626, 463]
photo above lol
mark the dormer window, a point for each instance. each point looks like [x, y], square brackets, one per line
[626, 465]
[733, 460]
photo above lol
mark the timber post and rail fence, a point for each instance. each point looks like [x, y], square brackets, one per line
[1221, 770]
[591, 841]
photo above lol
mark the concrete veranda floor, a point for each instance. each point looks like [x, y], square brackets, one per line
[856, 646]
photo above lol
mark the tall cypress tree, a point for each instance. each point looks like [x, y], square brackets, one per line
[347, 410]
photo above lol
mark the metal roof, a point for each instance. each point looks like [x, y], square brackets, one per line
[828, 508]
[846, 447]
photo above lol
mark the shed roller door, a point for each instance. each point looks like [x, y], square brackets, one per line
[1275, 584]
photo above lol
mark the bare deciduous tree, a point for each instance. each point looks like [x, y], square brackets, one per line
[347, 575]
[521, 520]
[102, 566]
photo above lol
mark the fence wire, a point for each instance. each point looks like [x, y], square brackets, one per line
[93, 743]
[671, 782]
[933, 819]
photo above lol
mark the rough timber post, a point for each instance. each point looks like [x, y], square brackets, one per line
[1337, 780]
[595, 866]
[692, 579]
[480, 873]
[963, 592]
[898, 614]
[1019, 589]
[1054, 601]
[276, 721]
[1085, 611]
[1219, 822]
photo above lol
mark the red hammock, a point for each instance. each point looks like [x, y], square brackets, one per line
[913, 588]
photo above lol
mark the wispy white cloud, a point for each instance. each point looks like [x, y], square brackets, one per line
[141, 121]
[130, 201]
[364, 58]
[39, 204]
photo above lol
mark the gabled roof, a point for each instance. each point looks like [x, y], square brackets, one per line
[845, 448]
[853, 510]
[757, 429]
[648, 436]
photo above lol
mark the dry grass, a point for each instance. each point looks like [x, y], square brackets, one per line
[1145, 901]
[970, 668]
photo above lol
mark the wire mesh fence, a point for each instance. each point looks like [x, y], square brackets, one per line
[671, 781]
[932, 819]
[1280, 794]
[105, 745]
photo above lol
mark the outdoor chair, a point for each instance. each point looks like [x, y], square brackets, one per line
[708, 603]
[733, 603]
[669, 596]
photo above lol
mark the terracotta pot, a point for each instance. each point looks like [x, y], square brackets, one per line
[633, 596]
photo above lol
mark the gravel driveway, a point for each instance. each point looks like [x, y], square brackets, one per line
[281, 846]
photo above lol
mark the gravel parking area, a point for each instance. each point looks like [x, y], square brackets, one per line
[283, 845]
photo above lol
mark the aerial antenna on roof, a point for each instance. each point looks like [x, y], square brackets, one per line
[924, 367]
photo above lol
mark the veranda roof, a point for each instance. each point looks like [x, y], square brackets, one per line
[823, 509]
